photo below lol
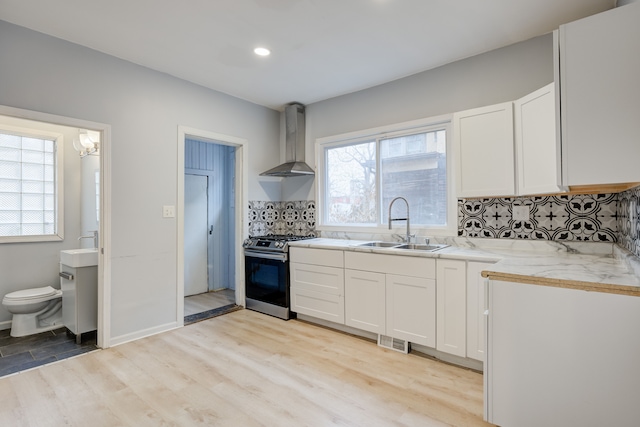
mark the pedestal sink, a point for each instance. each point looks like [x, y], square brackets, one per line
[79, 257]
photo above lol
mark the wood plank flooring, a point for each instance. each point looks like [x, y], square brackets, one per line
[244, 369]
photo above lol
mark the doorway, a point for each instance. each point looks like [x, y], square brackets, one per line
[209, 224]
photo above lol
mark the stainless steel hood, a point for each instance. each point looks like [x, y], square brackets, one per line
[294, 145]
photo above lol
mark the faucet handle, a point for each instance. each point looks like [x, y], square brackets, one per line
[410, 236]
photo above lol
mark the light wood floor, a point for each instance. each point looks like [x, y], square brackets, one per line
[244, 369]
[202, 302]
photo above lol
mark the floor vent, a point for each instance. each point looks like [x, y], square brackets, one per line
[394, 344]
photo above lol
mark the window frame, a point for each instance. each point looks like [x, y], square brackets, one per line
[58, 139]
[375, 134]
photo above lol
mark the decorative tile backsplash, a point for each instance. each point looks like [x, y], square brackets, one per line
[291, 218]
[588, 218]
[591, 217]
[629, 220]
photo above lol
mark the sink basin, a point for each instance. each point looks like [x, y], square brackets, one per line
[79, 257]
[419, 247]
[380, 244]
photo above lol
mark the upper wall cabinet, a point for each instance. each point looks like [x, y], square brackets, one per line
[486, 139]
[483, 138]
[600, 93]
[536, 146]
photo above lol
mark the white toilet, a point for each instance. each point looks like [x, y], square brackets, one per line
[34, 310]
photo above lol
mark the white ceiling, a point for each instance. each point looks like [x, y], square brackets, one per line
[320, 48]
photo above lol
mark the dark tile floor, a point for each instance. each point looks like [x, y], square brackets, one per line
[19, 354]
[211, 313]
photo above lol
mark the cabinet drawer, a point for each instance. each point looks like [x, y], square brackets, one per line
[317, 304]
[317, 278]
[391, 264]
[327, 257]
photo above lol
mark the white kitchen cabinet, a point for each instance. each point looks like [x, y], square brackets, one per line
[317, 283]
[475, 310]
[483, 138]
[561, 357]
[599, 69]
[537, 150]
[365, 300]
[391, 295]
[411, 304]
[451, 307]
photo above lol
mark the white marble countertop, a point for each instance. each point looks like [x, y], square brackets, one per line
[602, 267]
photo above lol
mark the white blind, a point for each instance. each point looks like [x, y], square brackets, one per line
[27, 185]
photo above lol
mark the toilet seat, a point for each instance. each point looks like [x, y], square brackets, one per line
[30, 296]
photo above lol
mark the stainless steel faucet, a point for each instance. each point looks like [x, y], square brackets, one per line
[93, 236]
[409, 235]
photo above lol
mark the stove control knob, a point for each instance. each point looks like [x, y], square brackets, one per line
[247, 242]
[279, 244]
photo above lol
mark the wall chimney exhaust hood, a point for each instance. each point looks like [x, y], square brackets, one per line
[294, 145]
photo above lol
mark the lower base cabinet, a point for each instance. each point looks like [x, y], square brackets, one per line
[411, 307]
[381, 298]
[475, 310]
[452, 307]
[561, 357]
[317, 283]
[365, 300]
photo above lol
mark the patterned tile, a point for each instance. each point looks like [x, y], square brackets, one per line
[628, 220]
[290, 218]
[560, 217]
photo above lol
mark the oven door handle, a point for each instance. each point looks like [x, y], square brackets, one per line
[277, 257]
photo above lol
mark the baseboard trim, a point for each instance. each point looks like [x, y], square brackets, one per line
[122, 339]
[5, 325]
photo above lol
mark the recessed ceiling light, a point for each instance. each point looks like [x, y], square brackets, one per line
[261, 51]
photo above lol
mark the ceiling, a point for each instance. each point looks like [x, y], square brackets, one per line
[320, 48]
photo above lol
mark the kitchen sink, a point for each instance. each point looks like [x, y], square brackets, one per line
[380, 244]
[421, 247]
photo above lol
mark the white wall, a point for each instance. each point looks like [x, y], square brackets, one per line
[144, 109]
[497, 76]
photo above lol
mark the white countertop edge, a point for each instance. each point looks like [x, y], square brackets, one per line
[593, 262]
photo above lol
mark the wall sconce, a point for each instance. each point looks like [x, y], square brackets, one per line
[85, 144]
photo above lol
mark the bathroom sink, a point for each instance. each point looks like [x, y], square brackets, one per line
[380, 244]
[79, 257]
[420, 247]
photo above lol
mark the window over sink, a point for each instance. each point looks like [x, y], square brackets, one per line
[361, 172]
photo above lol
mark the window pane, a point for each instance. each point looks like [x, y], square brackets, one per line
[414, 167]
[9, 169]
[351, 184]
[27, 185]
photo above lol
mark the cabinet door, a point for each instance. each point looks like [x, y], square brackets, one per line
[475, 310]
[411, 309]
[599, 69]
[365, 300]
[451, 307]
[549, 345]
[535, 139]
[483, 138]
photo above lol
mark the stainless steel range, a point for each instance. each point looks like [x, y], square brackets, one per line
[266, 265]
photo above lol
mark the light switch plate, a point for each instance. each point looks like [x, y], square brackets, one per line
[168, 211]
[521, 213]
